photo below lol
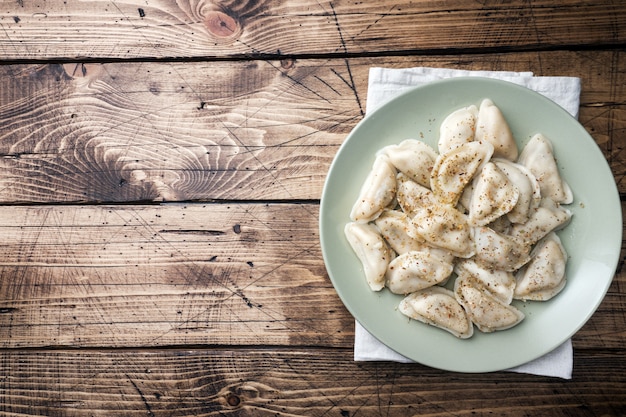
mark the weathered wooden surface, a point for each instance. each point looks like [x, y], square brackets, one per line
[301, 382]
[165, 29]
[262, 130]
[220, 274]
[161, 165]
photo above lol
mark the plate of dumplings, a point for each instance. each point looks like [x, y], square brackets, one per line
[470, 224]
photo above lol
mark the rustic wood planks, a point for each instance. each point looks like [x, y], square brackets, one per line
[119, 132]
[123, 276]
[161, 165]
[300, 382]
[166, 29]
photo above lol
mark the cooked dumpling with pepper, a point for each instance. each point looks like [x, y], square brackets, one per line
[499, 251]
[538, 157]
[493, 196]
[444, 227]
[394, 226]
[544, 276]
[438, 307]
[412, 196]
[457, 128]
[526, 184]
[548, 217]
[415, 270]
[485, 310]
[491, 126]
[372, 250]
[499, 283]
[456, 168]
[413, 158]
[377, 192]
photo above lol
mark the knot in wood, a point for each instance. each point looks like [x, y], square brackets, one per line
[248, 392]
[287, 63]
[233, 400]
[222, 25]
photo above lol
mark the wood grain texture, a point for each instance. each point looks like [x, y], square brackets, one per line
[165, 29]
[187, 274]
[161, 164]
[311, 383]
[260, 130]
[217, 274]
[177, 134]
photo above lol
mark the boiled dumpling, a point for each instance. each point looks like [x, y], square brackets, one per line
[499, 251]
[456, 168]
[544, 276]
[372, 250]
[416, 270]
[526, 184]
[377, 192]
[457, 128]
[411, 196]
[394, 226]
[444, 227]
[413, 158]
[485, 310]
[438, 307]
[399, 232]
[547, 217]
[500, 284]
[538, 157]
[491, 126]
[493, 195]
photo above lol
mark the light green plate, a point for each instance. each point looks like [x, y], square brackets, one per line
[592, 239]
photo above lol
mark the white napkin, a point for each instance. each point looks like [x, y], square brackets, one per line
[385, 84]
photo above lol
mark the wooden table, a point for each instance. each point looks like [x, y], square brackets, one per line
[160, 176]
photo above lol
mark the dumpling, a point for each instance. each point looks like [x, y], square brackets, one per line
[526, 184]
[444, 227]
[538, 157]
[416, 270]
[456, 168]
[372, 250]
[544, 276]
[394, 226]
[499, 251]
[548, 217]
[413, 158]
[377, 192]
[493, 196]
[411, 195]
[398, 231]
[486, 311]
[457, 128]
[501, 284]
[491, 126]
[438, 307]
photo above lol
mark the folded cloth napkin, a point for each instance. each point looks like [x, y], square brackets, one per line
[384, 84]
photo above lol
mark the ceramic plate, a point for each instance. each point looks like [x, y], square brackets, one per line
[592, 239]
